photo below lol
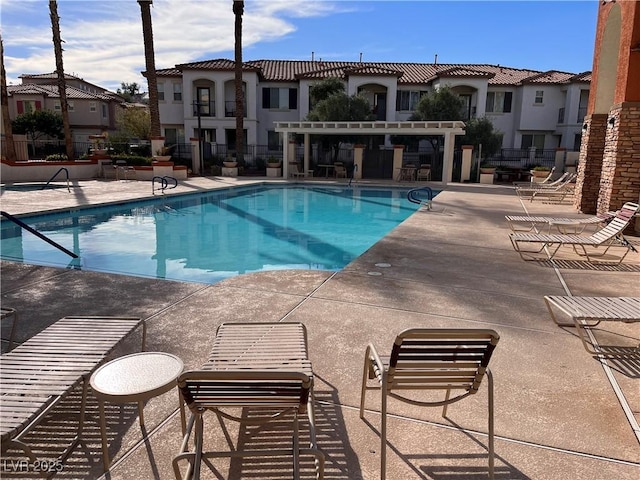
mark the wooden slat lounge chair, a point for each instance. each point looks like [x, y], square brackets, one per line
[260, 366]
[607, 237]
[588, 312]
[39, 373]
[426, 360]
[526, 223]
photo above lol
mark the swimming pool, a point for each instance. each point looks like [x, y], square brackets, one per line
[210, 236]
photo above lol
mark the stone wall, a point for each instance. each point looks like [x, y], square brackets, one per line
[590, 163]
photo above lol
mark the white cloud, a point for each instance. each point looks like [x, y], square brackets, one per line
[103, 40]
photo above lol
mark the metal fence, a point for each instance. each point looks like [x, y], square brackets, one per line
[522, 158]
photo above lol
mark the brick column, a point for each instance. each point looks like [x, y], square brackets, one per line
[590, 163]
[620, 179]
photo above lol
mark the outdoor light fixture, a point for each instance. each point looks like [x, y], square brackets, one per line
[604, 2]
[611, 121]
[585, 127]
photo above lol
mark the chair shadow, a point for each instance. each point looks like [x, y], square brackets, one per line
[341, 462]
[586, 265]
[51, 437]
[457, 472]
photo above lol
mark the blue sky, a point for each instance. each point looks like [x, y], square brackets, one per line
[103, 40]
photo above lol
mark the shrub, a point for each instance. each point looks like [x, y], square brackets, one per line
[133, 159]
[57, 157]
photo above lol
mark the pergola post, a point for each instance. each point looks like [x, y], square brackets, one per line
[447, 161]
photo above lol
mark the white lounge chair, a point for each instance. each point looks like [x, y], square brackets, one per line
[607, 237]
[526, 223]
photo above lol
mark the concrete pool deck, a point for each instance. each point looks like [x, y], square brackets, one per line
[560, 412]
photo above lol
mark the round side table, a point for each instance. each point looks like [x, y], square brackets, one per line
[133, 378]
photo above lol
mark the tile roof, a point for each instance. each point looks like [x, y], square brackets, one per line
[549, 77]
[52, 76]
[52, 91]
[407, 73]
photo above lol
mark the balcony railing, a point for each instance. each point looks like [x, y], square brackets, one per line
[582, 112]
[207, 109]
[230, 109]
[561, 115]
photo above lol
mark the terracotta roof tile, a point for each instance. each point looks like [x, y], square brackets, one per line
[52, 91]
[407, 73]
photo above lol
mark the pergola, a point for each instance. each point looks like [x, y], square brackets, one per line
[448, 130]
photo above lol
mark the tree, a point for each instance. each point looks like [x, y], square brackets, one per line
[62, 84]
[332, 104]
[442, 104]
[136, 123]
[40, 123]
[480, 131]
[150, 65]
[10, 148]
[238, 10]
[130, 91]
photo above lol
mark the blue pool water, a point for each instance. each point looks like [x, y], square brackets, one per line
[215, 235]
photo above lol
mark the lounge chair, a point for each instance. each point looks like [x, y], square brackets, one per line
[588, 312]
[339, 170]
[425, 360]
[607, 237]
[10, 314]
[526, 223]
[558, 190]
[263, 367]
[36, 375]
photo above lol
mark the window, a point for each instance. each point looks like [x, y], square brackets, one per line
[498, 102]
[160, 91]
[539, 97]
[407, 100]
[104, 111]
[533, 140]
[177, 92]
[28, 106]
[71, 106]
[56, 105]
[274, 140]
[173, 136]
[92, 106]
[202, 97]
[280, 98]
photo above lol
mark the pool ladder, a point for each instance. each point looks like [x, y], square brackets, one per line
[164, 184]
[21, 224]
[412, 196]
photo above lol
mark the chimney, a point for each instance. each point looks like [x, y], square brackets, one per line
[435, 60]
[360, 57]
[312, 56]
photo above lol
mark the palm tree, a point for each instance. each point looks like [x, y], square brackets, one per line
[238, 10]
[62, 85]
[150, 64]
[10, 148]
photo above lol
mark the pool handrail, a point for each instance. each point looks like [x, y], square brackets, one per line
[20, 223]
[61, 169]
[164, 183]
[413, 199]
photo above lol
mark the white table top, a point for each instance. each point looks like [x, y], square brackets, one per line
[136, 377]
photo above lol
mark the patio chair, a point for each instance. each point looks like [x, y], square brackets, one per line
[339, 170]
[424, 172]
[36, 375]
[588, 312]
[261, 367]
[294, 171]
[10, 314]
[607, 237]
[426, 360]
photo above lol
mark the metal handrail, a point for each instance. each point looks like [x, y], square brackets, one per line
[20, 223]
[412, 198]
[61, 169]
[164, 183]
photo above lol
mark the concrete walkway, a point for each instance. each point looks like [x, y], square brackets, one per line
[560, 413]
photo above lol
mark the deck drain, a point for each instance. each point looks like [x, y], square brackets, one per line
[383, 265]
[374, 273]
